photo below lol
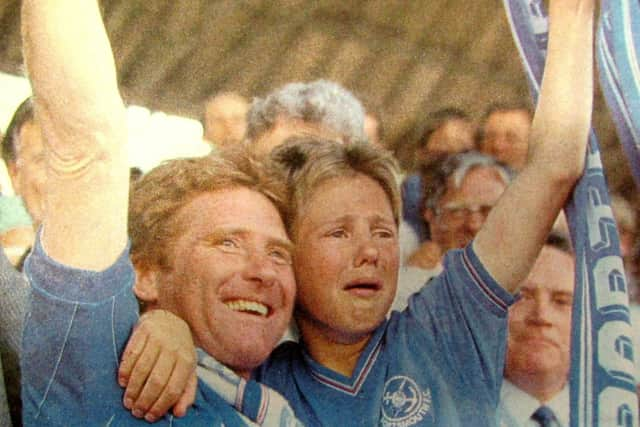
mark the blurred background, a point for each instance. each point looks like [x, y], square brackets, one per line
[403, 59]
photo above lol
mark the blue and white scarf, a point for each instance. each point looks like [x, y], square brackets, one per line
[617, 54]
[602, 384]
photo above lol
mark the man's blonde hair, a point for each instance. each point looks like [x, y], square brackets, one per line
[158, 196]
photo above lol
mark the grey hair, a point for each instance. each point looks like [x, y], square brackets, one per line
[437, 176]
[323, 102]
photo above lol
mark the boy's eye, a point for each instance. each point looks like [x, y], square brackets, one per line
[524, 295]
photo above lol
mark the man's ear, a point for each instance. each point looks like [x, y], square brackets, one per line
[12, 170]
[146, 286]
[429, 215]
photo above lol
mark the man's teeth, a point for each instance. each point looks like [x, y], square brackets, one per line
[250, 306]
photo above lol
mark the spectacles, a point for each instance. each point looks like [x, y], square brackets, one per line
[455, 212]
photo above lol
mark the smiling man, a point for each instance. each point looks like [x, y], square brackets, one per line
[208, 244]
[228, 275]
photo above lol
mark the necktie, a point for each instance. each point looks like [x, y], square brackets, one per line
[544, 416]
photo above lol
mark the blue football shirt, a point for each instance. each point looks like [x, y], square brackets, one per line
[438, 363]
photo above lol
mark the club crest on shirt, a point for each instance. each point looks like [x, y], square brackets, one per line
[404, 403]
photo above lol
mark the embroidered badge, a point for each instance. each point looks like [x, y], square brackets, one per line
[403, 403]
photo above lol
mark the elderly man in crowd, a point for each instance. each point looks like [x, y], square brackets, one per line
[321, 108]
[458, 194]
[229, 277]
[536, 388]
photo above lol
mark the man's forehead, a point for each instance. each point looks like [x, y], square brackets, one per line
[507, 118]
[553, 286]
[474, 176]
[234, 207]
[295, 126]
[553, 271]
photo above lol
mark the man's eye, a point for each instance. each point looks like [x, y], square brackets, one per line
[227, 244]
[383, 233]
[455, 212]
[281, 256]
[338, 233]
[563, 301]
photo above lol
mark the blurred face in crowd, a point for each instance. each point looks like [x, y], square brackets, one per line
[28, 173]
[231, 277]
[454, 136]
[225, 118]
[506, 136]
[461, 211]
[540, 323]
[346, 259]
[286, 127]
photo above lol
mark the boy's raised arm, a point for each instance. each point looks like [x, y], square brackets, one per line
[77, 103]
[510, 240]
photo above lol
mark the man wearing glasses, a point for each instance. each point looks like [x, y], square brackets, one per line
[461, 189]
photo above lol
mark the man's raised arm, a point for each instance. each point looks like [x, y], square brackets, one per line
[517, 227]
[77, 102]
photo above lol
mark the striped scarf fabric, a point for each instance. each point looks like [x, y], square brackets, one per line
[617, 54]
[257, 404]
[602, 361]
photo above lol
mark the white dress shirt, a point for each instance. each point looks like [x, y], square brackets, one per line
[516, 407]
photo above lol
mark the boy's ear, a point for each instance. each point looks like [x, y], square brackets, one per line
[146, 286]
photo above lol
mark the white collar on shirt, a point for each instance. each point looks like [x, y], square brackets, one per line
[521, 405]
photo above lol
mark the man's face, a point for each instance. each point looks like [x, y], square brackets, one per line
[28, 173]
[226, 120]
[540, 322]
[287, 127]
[454, 136]
[462, 211]
[506, 136]
[231, 278]
[346, 259]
